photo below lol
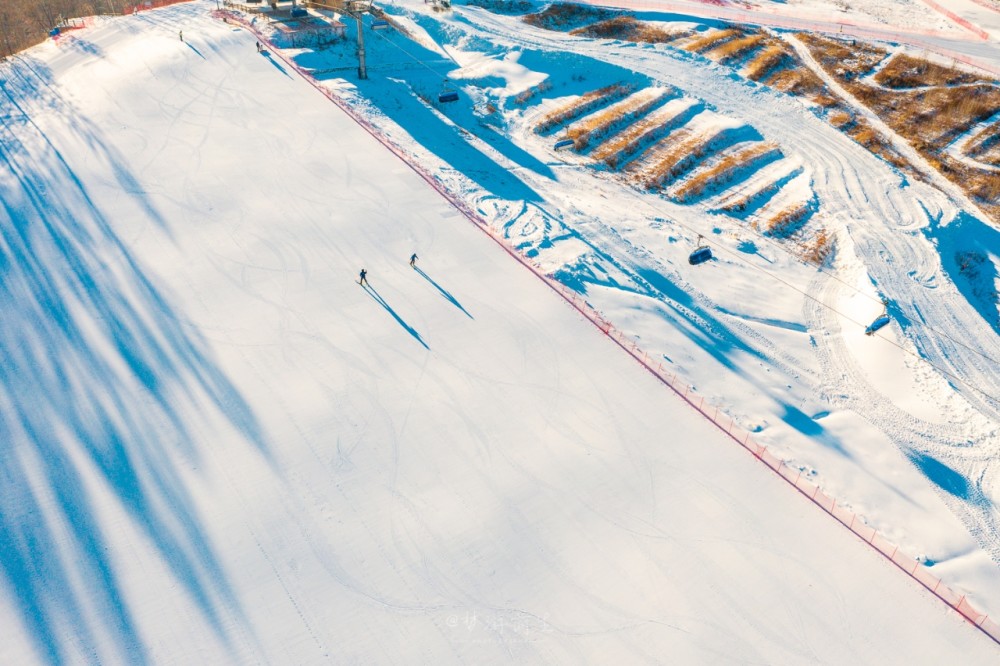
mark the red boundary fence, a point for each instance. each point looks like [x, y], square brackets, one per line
[955, 18]
[713, 413]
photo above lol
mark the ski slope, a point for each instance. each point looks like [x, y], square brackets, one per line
[219, 448]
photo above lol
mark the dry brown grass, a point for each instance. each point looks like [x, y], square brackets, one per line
[565, 16]
[905, 71]
[741, 202]
[930, 118]
[846, 60]
[797, 81]
[817, 248]
[786, 220]
[712, 39]
[773, 56]
[725, 168]
[602, 123]
[985, 186]
[628, 29]
[736, 48]
[525, 96]
[643, 133]
[986, 140]
[840, 119]
[580, 106]
[665, 165]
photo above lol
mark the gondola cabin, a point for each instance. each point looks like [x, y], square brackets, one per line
[700, 255]
[877, 324]
[448, 96]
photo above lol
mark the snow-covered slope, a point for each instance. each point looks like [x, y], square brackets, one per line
[217, 447]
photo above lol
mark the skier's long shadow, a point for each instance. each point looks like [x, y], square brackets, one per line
[381, 301]
[196, 51]
[443, 292]
[267, 54]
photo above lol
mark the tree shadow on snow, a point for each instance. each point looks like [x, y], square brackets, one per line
[98, 379]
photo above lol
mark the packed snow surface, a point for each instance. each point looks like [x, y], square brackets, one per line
[218, 447]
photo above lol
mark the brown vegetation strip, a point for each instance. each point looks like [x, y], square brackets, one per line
[580, 106]
[600, 124]
[643, 133]
[725, 169]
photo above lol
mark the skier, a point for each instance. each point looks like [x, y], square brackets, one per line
[258, 47]
[413, 260]
[180, 34]
[363, 281]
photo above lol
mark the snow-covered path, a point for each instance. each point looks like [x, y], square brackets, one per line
[218, 448]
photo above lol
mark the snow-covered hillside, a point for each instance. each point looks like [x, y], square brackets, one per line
[217, 447]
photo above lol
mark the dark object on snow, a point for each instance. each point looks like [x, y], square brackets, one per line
[882, 320]
[701, 254]
[447, 94]
[563, 143]
[364, 277]
[413, 260]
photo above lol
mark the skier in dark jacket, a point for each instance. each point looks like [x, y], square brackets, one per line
[413, 260]
[363, 281]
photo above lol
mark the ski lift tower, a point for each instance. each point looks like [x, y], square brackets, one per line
[357, 9]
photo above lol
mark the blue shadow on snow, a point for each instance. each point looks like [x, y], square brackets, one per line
[94, 360]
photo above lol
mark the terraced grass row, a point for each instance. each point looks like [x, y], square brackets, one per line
[621, 113]
[632, 140]
[678, 153]
[726, 169]
[581, 105]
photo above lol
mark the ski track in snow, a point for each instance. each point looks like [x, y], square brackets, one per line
[623, 248]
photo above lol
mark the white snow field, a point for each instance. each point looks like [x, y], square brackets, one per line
[216, 447]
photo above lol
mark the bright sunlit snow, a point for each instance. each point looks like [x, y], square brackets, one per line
[218, 447]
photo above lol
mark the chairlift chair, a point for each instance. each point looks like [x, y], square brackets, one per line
[448, 93]
[881, 320]
[563, 143]
[701, 254]
[380, 24]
